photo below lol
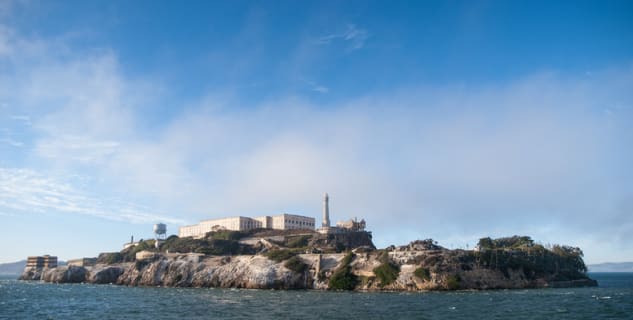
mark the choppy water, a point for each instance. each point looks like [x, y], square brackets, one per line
[36, 300]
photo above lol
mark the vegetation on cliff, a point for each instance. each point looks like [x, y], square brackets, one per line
[300, 241]
[210, 245]
[274, 259]
[559, 261]
[343, 278]
[262, 241]
[453, 282]
[125, 255]
[388, 271]
[280, 255]
[422, 274]
[295, 264]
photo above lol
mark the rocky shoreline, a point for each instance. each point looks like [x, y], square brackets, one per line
[409, 268]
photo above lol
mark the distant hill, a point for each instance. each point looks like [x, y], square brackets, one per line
[12, 267]
[611, 267]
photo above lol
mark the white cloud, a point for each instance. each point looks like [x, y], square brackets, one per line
[517, 158]
[353, 36]
[454, 163]
[75, 148]
[26, 120]
[320, 89]
[317, 87]
[12, 142]
[25, 191]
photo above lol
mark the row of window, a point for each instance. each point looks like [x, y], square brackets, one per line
[248, 225]
[299, 222]
[252, 224]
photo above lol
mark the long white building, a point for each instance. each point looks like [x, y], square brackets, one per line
[280, 222]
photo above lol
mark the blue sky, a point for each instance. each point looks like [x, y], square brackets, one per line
[446, 119]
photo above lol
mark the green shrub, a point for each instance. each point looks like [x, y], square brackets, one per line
[387, 273]
[110, 258]
[422, 274]
[225, 235]
[365, 281]
[347, 260]
[298, 242]
[563, 262]
[209, 245]
[506, 242]
[452, 282]
[280, 255]
[129, 254]
[295, 264]
[219, 247]
[185, 244]
[343, 278]
[383, 257]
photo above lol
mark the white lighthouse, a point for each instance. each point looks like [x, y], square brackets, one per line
[326, 212]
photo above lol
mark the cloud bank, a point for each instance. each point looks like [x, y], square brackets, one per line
[547, 155]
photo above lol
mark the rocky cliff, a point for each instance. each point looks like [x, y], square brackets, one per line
[418, 266]
[254, 272]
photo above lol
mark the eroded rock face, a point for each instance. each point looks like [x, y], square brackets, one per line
[31, 274]
[446, 270]
[70, 274]
[253, 272]
[105, 275]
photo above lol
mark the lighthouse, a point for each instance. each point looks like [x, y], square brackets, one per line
[326, 212]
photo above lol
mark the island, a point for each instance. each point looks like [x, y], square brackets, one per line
[306, 259]
[287, 252]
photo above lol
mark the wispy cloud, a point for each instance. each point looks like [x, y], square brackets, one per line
[26, 191]
[12, 142]
[15, 127]
[24, 119]
[317, 87]
[433, 161]
[353, 36]
[5, 46]
[320, 89]
[76, 148]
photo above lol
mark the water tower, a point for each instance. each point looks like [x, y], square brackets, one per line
[160, 233]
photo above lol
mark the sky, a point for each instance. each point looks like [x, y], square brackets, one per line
[451, 120]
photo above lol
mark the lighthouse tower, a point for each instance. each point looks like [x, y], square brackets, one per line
[326, 212]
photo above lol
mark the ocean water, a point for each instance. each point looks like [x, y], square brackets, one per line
[613, 299]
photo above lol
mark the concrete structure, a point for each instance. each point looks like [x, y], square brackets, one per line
[326, 211]
[83, 262]
[266, 221]
[280, 222]
[145, 255]
[231, 223]
[130, 244]
[292, 222]
[341, 226]
[325, 225]
[352, 224]
[39, 262]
